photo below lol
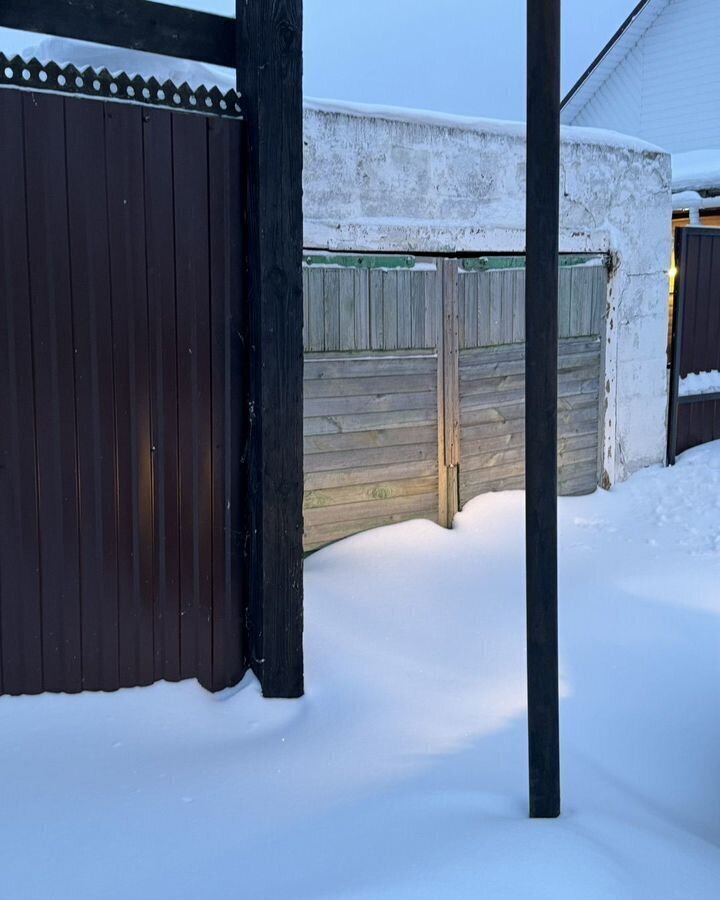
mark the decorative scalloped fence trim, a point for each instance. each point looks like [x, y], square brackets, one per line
[88, 82]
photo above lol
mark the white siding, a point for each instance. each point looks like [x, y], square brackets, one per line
[667, 90]
[617, 105]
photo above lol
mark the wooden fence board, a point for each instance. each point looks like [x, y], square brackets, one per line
[384, 425]
[370, 474]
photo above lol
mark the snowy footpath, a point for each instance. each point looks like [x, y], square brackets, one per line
[402, 773]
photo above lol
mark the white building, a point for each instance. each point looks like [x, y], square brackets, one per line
[659, 79]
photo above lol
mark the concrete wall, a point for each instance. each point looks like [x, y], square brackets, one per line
[382, 180]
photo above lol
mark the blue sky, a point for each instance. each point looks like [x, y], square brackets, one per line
[460, 56]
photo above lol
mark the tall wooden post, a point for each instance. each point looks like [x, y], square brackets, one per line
[541, 326]
[269, 76]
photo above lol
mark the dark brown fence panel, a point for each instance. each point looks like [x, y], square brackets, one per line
[54, 377]
[121, 395]
[20, 585]
[694, 418]
[93, 336]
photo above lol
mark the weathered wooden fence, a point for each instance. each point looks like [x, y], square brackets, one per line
[694, 418]
[414, 385]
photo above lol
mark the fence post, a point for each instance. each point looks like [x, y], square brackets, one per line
[541, 359]
[449, 394]
[269, 76]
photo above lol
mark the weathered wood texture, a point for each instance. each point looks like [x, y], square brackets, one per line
[392, 434]
[492, 304]
[370, 442]
[353, 308]
[121, 506]
[492, 416]
[134, 24]
[269, 71]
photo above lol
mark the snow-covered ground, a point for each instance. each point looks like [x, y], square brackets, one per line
[402, 773]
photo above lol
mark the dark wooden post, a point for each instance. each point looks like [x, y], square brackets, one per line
[541, 318]
[269, 75]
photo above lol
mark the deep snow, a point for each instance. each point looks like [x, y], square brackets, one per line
[402, 773]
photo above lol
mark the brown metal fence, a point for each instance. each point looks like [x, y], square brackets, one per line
[121, 499]
[695, 417]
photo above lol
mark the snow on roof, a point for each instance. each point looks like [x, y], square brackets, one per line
[611, 56]
[696, 170]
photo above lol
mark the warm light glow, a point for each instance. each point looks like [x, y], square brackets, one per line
[673, 272]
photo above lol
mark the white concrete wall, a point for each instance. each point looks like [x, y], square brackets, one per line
[667, 90]
[388, 181]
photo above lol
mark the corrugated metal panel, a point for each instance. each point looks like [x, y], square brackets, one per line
[121, 385]
[695, 419]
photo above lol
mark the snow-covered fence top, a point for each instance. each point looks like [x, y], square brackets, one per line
[379, 179]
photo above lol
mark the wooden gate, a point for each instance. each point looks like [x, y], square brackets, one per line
[694, 416]
[121, 386]
[415, 390]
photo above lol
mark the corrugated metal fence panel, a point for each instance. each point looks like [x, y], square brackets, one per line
[371, 454]
[696, 327]
[119, 478]
[492, 418]
[700, 343]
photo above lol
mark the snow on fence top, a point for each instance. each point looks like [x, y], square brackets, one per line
[700, 383]
[570, 134]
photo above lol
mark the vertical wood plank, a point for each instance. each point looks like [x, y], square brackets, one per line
[564, 301]
[541, 365]
[269, 73]
[362, 309]
[404, 310]
[346, 290]
[451, 383]
[90, 272]
[518, 334]
[496, 307]
[316, 311]
[331, 303]
[377, 318]
[390, 310]
[21, 665]
[483, 288]
[419, 281]
[54, 364]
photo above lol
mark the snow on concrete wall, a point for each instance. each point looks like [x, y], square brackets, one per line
[383, 180]
[667, 89]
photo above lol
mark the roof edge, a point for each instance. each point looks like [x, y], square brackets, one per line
[603, 53]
